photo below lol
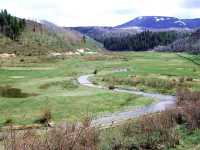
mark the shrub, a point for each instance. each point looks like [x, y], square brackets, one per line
[181, 80]
[45, 117]
[22, 60]
[189, 79]
[10, 92]
[188, 110]
[8, 121]
[192, 115]
[111, 87]
[185, 96]
[95, 71]
[157, 131]
[70, 137]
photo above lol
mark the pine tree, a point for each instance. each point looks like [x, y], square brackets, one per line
[11, 26]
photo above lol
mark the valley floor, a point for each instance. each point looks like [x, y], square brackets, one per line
[52, 84]
[29, 86]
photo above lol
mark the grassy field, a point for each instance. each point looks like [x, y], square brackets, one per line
[52, 84]
[154, 72]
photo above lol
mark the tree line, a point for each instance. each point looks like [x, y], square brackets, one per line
[142, 41]
[11, 26]
[189, 44]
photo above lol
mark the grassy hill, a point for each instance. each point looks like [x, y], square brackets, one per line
[40, 39]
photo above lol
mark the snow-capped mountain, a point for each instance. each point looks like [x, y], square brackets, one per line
[161, 22]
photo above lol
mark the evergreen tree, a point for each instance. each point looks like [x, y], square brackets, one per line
[11, 26]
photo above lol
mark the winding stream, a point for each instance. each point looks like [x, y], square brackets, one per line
[162, 103]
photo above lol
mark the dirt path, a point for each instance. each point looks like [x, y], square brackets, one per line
[162, 102]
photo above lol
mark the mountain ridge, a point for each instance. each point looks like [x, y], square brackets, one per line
[161, 22]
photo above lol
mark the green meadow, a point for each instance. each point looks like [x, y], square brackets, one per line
[52, 83]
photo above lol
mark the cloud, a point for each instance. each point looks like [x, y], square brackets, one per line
[191, 4]
[98, 12]
[124, 11]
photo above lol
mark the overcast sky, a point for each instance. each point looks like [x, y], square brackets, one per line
[99, 12]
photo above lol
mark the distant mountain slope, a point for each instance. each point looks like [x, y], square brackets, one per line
[192, 23]
[140, 24]
[100, 33]
[161, 22]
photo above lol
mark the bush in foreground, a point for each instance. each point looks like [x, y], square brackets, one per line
[188, 108]
[68, 137]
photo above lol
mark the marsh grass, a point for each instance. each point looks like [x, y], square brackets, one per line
[161, 85]
[67, 84]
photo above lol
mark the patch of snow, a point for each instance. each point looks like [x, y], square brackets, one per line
[159, 19]
[140, 18]
[91, 53]
[135, 28]
[81, 50]
[162, 19]
[6, 55]
[38, 21]
[77, 53]
[180, 22]
[69, 53]
[55, 54]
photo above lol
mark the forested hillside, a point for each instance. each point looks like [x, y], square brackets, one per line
[189, 44]
[142, 41]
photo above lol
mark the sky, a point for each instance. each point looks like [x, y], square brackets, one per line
[99, 12]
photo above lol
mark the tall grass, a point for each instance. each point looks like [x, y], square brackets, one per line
[153, 132]
[162, 85]
[66, 84]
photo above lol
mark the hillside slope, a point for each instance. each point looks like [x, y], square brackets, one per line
[43, 38]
